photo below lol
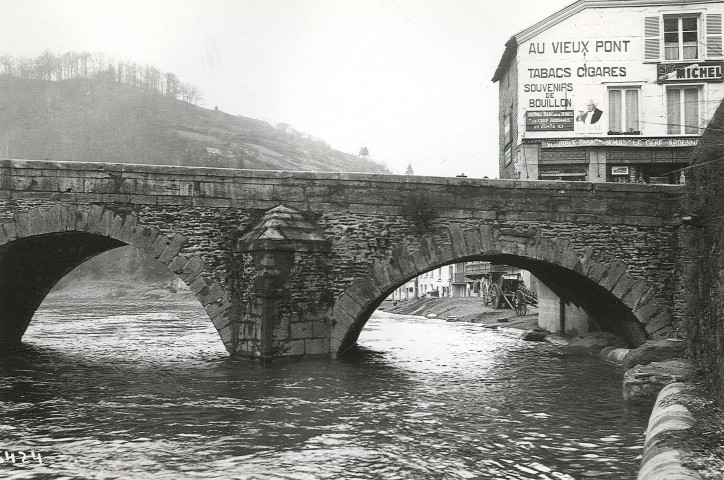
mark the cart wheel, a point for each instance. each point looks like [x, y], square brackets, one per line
[519, 303]
[489, 296]
[495, 299]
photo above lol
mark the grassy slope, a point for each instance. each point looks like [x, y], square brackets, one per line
[101, 121]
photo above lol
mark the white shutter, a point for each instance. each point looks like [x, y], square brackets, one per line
[691, 110]
[632, 110]
[713, 35]
[652, 39]
[614, 111]
[673, 111]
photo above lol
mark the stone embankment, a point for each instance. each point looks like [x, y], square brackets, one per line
[685, 436]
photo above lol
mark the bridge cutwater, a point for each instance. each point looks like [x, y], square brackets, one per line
[293, 263]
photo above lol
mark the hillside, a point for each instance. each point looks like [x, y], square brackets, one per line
[120, 273]
[99, 120]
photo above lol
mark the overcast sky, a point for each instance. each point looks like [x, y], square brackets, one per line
[408, 79]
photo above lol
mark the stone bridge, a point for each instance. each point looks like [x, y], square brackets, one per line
[292, 264]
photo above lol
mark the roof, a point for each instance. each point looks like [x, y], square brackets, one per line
[511, 49]
[511, 46]
[284, 228]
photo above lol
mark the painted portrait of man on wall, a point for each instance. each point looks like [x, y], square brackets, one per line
[591, 115]
[590, 119]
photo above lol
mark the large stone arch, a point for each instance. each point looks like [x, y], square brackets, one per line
[638, 314]
[54, 240]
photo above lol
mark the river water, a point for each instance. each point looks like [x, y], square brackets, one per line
[147, 391]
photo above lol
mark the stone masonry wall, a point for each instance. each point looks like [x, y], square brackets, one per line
[364, 216]
[704, 255]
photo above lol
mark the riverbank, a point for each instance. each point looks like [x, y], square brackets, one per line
[465, 309]
[109, 290]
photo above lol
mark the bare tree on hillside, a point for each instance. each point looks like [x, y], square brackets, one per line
[7, 62]
[45, 65]
[98, 62]
[25, 67]
[195, 95]
[71, 65]
[172, 85]
[85, 64]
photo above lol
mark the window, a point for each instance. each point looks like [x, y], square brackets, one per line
[508, 154]
[623, 111]
[685, 37]
[682, 110]
[681, 38]
[506, 127]
[620, 174]
[567, 173]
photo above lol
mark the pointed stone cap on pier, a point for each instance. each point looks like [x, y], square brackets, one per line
[284, 228]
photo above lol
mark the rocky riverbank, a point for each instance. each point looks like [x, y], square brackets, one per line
[466, 309]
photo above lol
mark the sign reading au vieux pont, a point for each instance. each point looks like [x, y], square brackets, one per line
[688, 72]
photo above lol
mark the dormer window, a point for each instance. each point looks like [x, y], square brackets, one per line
[681, 38]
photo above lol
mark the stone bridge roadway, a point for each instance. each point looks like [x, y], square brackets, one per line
[289, 263]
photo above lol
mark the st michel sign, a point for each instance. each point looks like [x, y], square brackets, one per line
[690, 72]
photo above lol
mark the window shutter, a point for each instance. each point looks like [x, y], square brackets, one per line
[713, 35]
[652, 39]
[614, 111]
[673, 111]
[691, 110]
[506, 127]
[632, 110]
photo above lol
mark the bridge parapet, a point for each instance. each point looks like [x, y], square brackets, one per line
[484, 199]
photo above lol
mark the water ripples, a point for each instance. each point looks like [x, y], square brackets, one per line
[149, 392]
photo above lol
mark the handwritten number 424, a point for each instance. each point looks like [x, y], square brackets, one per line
[22, 457]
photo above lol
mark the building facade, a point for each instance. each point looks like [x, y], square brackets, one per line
[610, 91]
[469, 279]
[440, 282]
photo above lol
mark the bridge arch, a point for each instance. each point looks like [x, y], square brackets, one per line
[617, 302]
[42, 245]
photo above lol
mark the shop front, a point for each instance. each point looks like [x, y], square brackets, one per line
[623, 160]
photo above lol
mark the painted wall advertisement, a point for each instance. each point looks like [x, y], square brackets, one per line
[621, 142]
[570, 85]
[549, 120]
[690, 72]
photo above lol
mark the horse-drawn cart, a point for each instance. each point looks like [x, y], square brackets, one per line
[509, 291]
